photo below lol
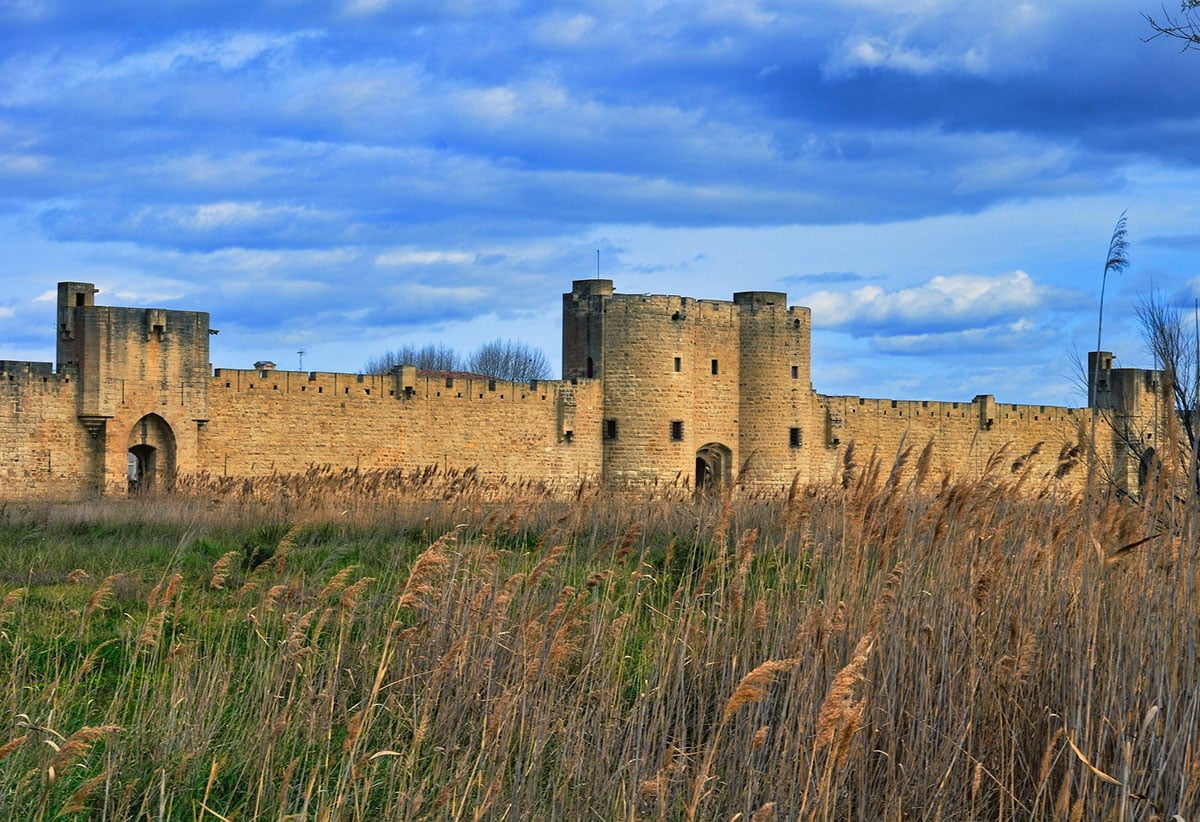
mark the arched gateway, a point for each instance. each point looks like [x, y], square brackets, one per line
[713, 465]
[151, 454]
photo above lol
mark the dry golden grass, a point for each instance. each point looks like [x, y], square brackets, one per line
[412, 646]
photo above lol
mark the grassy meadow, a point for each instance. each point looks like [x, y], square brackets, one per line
[395, 646]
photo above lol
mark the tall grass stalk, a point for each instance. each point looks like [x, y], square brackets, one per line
[880, 647]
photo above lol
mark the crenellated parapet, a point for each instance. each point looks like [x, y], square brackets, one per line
[656, 388]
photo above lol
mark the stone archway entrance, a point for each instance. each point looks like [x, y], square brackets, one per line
[151, 462]
[714, 465]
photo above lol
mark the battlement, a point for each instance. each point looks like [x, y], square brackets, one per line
[403, 383]
[654, 388]
[11, 370]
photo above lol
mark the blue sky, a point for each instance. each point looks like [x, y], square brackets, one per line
[937, 179]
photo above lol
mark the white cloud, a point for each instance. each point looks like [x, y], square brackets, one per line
[255, 260]
[410, 256]
[560, 30]
[50, 75]
[959, 301]
[1021, 334]
[881, 52]
[942, 36]
[23, 164]
[366, 7]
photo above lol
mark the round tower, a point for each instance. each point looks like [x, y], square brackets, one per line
[777, 426]
[650, 364]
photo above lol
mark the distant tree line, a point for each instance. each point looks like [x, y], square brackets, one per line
[511, 360]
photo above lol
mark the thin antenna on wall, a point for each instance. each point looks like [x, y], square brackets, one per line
[301, 352]
[597, 263]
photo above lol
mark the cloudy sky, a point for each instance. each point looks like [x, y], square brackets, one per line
[937, 179]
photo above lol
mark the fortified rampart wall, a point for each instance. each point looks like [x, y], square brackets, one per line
[41, 441]
[656, 388]
[269, 421]
[1046, 440]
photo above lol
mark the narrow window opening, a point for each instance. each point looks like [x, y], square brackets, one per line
[794, 437]
[679, 363]
[715, 368]
[677, 430]
[610, 429]
[591, 368]
[795, 372]
[449, 382]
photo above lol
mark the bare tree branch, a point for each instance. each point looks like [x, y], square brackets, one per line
[431, 357]
[1184, 26]
[510, 360]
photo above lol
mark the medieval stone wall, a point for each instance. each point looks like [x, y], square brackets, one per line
[657, 388]
[267, 421]
[966, 437]
[43, 447]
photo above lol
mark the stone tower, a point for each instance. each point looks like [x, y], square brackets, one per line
[692, 388]
[1132, 406]
[776, 418]
[142, 385]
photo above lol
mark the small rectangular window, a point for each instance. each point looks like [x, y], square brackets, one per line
[794, 437]
[795, 372]
[677, 429]
[679, 363]
[715, 369]
[610, 429]
[449, 382]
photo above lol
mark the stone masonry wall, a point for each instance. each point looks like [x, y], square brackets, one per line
[43, 446]
[966, 435]
[264, 422]
[660, 415]
[776, 409]
[657, 388]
